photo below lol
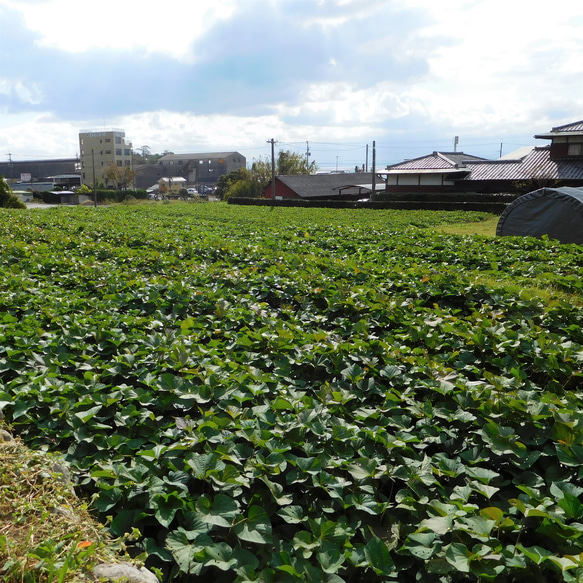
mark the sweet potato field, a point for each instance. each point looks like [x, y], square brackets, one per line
[292, 395]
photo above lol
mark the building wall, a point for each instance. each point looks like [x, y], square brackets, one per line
[99, 150]
[570, 148]
[460, 186]
[281, 190]
[39, 168]
[416, 180]
[201, 168]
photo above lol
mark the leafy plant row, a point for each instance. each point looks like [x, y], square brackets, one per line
[291, 396]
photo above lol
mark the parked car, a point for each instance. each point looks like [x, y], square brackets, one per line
[192, 191]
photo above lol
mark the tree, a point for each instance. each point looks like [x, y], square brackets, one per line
[289, 163]
[286, 164]
[120, 177]
[251, 183]
[7, 198]
[225, 181]
[247, 188]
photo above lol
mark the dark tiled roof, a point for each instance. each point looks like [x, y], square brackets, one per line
[323, 185]
[436, 161]
[570, 127]
[537, 164]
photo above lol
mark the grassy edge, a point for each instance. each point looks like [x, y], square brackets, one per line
[486, 228]
[47, 534]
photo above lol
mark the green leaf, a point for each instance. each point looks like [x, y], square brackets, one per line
[166, 506]
[535, 553]
[292, 514]
[221, 511]
[107, 499]
[330, 558]
[572, 506]
[256, 527]
[492, 513]
[220, 555]
[379, 557]
[436, 524]
[458, 556]
[88, 414]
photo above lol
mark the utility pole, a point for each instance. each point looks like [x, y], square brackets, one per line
[366, 158]
[374, 181]
[93, 172]
[10, 165]
[308, 154]
[272, 142]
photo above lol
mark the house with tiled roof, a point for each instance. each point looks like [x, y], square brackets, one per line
[341, 186]
[559, 163]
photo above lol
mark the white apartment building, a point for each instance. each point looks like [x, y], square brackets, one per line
[100, 149]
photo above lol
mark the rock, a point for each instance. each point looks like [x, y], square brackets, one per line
[62, 472]
[114, 572]
[62, 511]
[5, 436]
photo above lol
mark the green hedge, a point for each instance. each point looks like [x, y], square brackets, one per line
[120, 195]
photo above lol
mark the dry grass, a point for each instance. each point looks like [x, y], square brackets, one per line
[47, 534]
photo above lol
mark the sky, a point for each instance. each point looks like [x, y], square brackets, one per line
[328, 76]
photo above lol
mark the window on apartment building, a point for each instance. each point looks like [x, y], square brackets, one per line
[127, 162]
[107, 140]
[126, 152]
[119, 163]
[118, 151]
[118, 140]
[107, 152]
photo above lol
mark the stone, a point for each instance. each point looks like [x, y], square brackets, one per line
[62, 473]
[5, 436]
[118, 572]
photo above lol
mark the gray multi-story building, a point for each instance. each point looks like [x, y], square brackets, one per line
[201, 169]
[38, 170]
[101, 149]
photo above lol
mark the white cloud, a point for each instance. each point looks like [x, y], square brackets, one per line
[183, 132]
[27, 93]
[343, 104]
[41, 135]
[412, 69]
[169, 28]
